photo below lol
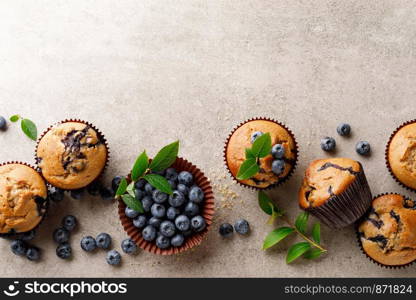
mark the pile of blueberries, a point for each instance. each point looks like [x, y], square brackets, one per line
[19, 246]
[61, 236]
[168, 219]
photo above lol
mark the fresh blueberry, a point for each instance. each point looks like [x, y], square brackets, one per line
[128, 246]
[278, 151]
[33, 253]
[162, 242]
[177, 199]
[171, 174]
[172, 212]
[363, 148]
[113, 257]
[159, 197]
[191, 209]
[344, 129]
[155, 222]
[61, 235]
[167, 228]
[106, 193]
[28, 236]
[278, 166]
[185, 178]
[196, 194]
[139, 194]
[77, 194]
[149, 233]
[140, 184]
[103, 240]
[158, 210]
[177, 240]
[69, 222]
[198, 223]
[255, 135]
[183, 223]
[88, 243]
[242, 227]
[149, 189]
[56, 194]
[161, 173]
[328, 144]
[172, 184]
[3, 123]
[18, 247]
[130, 213]
[94, 188]
[147, 203]
[140, 221]
[183, 189]
[116, 182]
[226, 230]
[64, 251]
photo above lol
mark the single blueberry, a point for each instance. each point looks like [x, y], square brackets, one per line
[177, 240]
[255, 135]
[113, 257]
[198, 223]
[77, 194]
[171, 174]
[183, 223]
[106, 193]
[88, 243]
[69, 222]
[3, 123]
[61, 235]
[183, 189]
[116, 182]
[64, 251]
[128, 246]
[149, 189]
[242, 227]
[103, 240]
[278, 166]
[167, 228]
[94, 188]
[140, 184]
[131, 213]
[328, 144]
[177, 199]
[278, 151]
[28, 236]
[196, 194]
[191, 209]
[140, 221]
[226, 230]
[149, 233]
[363, 148]
[155, 222]
[56, 194]
[159, 197]
[172, 212]
[147, 203]
[162, 242]
[18, 247]
[185, 178]
[344, 129]
[33, 253]
[158, 210]
[172, 184]
[139, 194]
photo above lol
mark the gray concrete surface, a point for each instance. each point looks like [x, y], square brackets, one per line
[149, 72]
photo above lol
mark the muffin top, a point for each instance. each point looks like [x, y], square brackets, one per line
[241, 139]
[22, 197]
[402, 155]
[325, 178]
[388, 232]
[71, 155]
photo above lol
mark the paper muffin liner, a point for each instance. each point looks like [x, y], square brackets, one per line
[293, 163]
[100, 136]
[208, 209]
[360, 244]
[347, 207]
[45, 205]
[387, 156]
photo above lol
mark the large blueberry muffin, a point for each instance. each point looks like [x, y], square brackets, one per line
[335, 190]
[71, 155]
[275, 167]
[388, 232]
[23, 195]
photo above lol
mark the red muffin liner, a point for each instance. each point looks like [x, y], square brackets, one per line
[208, 210]
[357, 225]
[99, 134]
[387, 156]
[280, 181]
[346, 208]
[45, 207]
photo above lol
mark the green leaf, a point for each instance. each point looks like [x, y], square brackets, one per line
[276, 236]
[296, 251]
[249, 153]
[121, 187]
[316, 232]
[273, 216]
[264, 202]
[130, 189]
[165, 157]
[14, 118]
[313, 253]
[159, 182]
[262, 146]
[302, 222]
[248, 169]
[132, 203]
[140, 166]
[29, 128]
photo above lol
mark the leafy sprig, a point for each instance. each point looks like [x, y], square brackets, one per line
[146, 170]
[310, 248]
[28, 127]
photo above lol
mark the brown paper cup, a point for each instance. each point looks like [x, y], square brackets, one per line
[208, 208]
[280, 181]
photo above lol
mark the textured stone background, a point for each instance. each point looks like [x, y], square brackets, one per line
[149, 72]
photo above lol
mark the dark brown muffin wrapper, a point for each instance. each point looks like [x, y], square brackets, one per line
[208, 209]
[346, 208]
[280, 181]
[45, 208]
[100, 136]
[387, 156]
[357, 225]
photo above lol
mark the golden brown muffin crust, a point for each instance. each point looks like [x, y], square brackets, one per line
[325, 178]
[388, 233]
[71, 155]
[20, 185]
[241, 139]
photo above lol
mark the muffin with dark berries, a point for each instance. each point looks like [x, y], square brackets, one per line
[388, 232]
[267, 162]
[336, 191]
[71, 155]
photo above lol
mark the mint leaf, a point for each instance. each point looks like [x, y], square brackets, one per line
[248, 169]
[249, 153]
[14, 118]
[276, 236]
[316, 232]
[302, 222]
[296, 251]
[264, 203]
[29, 128]
[159, 182]
[165, 157]
[121, 187]
[313, 253]
[130, 189]
[132, 203]
[262, 146]
[140, 166]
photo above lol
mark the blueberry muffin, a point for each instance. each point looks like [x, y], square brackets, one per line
[23, 195]
[388, 232]
[401, 155]
[71, 155]
[336, 191]
[275, 167]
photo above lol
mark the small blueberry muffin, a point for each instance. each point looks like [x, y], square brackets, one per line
[23, 201]
[336, 191]
[274, 168]
[388, 232]
[71, 155]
